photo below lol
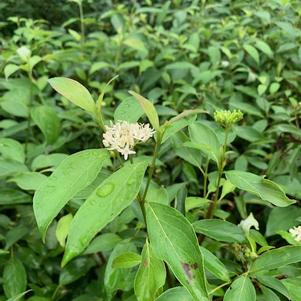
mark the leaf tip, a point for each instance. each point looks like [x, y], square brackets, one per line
[68, 255]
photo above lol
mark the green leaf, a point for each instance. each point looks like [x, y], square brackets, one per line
[14, 278]
[273, 283]
[10, 69]
[12, 149]
[128, 110]
[268, 294]
[150, 276]
[264, 47]
[103, 243]
[19, 296]
[48, 122]
[219, 230]
[274, 88]
[98, 66]
[73, 174]
[204, 139]
[282, 219]
[252, 52]
[293, 286]
[9, 167]
[241, 289]
[62, 228]
[214, 265]
[122, 279]
[12, 197]
[107, 201]
[263, 188]
[126, 260]
[29, 180]
[74, 92]
[180, 249]
[148, 109]
[195, 202]
[75, 270]
[45, 161]
[276, 258]
[178, 293]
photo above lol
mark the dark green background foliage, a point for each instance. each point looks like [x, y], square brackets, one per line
[182, 55]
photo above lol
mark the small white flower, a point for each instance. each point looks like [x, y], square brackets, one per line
[296, 233]
[249, 222]
[123, 136]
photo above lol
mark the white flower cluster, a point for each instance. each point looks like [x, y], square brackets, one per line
[123, 136]
[296, 233]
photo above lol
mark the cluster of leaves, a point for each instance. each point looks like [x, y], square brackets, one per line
[77, 223]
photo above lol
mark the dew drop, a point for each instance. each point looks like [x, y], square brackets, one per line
[105, 190]
[130, 182]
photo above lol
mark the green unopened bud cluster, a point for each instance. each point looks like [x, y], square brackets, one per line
[227, 118]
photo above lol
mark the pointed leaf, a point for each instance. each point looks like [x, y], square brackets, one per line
[10, 69]
[214, 265]
[122, 279]
[73, 174]
[74, 92]
[204, 138]
[107, 201]
[148, 109]
[241, 289]
[128, 110]
[219, 230]
[180, 248]
[126, 260]
[150, 276]
[62, 228]
[263, 188]
[252, 52]
[276, 258]
[47, 121]
[274, 283]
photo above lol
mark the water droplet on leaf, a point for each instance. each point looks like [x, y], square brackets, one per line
[105, 190]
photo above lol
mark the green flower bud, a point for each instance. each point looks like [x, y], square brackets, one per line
[227, 118]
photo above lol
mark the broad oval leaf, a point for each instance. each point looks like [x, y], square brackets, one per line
[74, 92]
[241, 289]
[276, 258]
[204, 139]
[108, 200]
[263, 188]
[150, 276]
[180, 249]
[148, 108]
[73, 174]
[219, 230]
